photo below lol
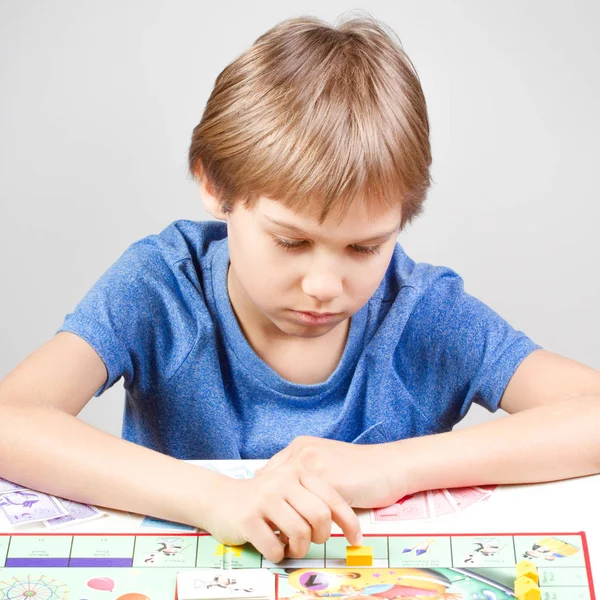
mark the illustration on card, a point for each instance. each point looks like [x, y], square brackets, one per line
[483, 548]
[40, 588]
[550, 549]
[420, 548]
[165, 547]
[389, 584]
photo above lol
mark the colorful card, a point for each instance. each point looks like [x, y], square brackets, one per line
[441, 504]
[466, 496]
[433, 504]
[76, 513]
[23, 505]
[410, 507]
[221, 584]
[26, 506]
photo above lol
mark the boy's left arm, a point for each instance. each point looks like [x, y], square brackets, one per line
[552, 433]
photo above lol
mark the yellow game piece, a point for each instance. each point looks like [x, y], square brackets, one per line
[526, 589]
[527, 568]
[359, 556]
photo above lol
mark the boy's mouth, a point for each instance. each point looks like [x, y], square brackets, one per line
[315, 318]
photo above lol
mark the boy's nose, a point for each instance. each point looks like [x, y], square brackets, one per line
[322, 286]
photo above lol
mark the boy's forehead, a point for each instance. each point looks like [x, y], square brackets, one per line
[358, 220]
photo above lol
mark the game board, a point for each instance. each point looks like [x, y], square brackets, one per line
[61, 566]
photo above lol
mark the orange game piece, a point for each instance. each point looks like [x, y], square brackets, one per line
[359, 556]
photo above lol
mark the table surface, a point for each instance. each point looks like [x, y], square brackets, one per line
[555, 507]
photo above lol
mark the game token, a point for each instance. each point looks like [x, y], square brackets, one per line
[359, 556]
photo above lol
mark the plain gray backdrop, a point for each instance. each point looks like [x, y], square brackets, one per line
[98, 101]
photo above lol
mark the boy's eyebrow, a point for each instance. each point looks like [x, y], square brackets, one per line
[377, 236]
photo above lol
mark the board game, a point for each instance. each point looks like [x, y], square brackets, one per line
[61, 566]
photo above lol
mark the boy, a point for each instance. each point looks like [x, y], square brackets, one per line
[294, 326]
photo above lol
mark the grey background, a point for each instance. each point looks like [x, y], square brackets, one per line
[98, 101]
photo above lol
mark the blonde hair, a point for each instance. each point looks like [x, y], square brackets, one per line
[314, 116]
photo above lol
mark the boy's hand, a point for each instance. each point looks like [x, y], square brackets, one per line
[290, 500]
[366, 476]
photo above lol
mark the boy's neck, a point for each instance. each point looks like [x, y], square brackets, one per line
[304, 360]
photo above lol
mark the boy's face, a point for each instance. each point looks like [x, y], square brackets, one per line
[290, 276]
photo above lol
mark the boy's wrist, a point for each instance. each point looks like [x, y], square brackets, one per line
[189, 494]
[391, 461]
[406, 466]
[434, 461]
[203, 489]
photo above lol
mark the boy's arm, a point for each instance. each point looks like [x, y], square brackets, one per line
[552, 435]
[44, 446]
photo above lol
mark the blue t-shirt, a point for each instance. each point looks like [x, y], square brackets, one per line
[418, 354]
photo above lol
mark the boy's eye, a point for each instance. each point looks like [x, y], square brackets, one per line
[291, 245]
[367, 249]
[287, 244]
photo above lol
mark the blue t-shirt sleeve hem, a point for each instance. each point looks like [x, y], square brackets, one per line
[104, 342]
[493, 384]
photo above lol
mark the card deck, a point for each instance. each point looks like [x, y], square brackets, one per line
[26, 506]
[21, 505]
[432, 504]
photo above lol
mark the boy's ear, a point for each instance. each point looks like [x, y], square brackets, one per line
[211, 203]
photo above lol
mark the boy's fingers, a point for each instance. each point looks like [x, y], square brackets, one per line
[314, 510]
[264, 539]
[293, 527]
[341, 511]
[275, 461]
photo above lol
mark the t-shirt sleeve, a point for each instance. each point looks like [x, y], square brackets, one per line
[457, 351]
[135, 316]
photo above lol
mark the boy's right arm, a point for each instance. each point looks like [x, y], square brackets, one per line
[44, 446]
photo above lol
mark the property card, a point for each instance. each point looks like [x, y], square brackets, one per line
[414, 506]
[22, 505]
[26, 506]
[222, 584]
[440, 504]
[76, 513]
[465, 497]
[433, 504]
